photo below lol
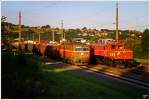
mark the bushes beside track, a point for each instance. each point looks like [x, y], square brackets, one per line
[22, 77]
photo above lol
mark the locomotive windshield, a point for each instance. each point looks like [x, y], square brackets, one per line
[81, 49]
[119, 46]
[85, 49]
[78, 49]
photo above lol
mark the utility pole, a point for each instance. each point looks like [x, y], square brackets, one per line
[53, 35]
[19, 27]
[33, 37]
[19, 42]
[39, 34]
[8, 36]
[117, 21]
[8, 32]
[62, 36]
[39, 37]
[117, 25]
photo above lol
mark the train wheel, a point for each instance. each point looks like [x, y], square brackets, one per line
[126, 63]
[120, 64]
[111, 63]
[71, 61]
[107, 61]
[67, 61]
[99, 60]
[133, 63]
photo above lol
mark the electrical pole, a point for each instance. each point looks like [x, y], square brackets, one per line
[63, 41]
[8, 36]
[33, 37]
[39, 37]
[62, 36]
[39, 34]
[8, 32]
[19, 42]
[53, 35]
[19, 27]
[117, 21]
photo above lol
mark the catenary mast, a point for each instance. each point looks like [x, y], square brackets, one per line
[117, 21]
[62, 36]
[19, 26]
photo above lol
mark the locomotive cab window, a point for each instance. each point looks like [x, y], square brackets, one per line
[81, 49]
[113, 46]
[85, 49]
[78, 49]
[121, 47]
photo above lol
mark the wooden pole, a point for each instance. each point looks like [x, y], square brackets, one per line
[117, 33]
[117, 21]
[19, 26]
[62, 36]
[53, 35]
[39, 34]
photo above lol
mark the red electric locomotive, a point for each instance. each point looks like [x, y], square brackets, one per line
[113, 52]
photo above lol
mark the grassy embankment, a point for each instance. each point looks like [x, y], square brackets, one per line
[143, 61]
[25, 78]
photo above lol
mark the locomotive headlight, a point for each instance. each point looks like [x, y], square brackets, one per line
[81, 54]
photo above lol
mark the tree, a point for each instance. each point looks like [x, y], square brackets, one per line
[145, 41]
[3, 19]
[84, 28]
[46, 26]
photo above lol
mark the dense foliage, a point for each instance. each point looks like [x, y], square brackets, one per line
[22, 78]
[145, 40]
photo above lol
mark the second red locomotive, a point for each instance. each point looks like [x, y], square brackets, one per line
[113, 52]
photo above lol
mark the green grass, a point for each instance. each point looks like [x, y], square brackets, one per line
[23, 77]
[144, 61]
[70, 84]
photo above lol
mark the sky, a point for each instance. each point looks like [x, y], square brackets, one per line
[92, 14]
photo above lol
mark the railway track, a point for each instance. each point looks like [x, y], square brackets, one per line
[128, 80]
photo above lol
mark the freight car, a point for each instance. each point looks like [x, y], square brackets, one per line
[40, 47]
[29, 45]
[18, 45]
[52, 51]
[72, 53]
[113, 52]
